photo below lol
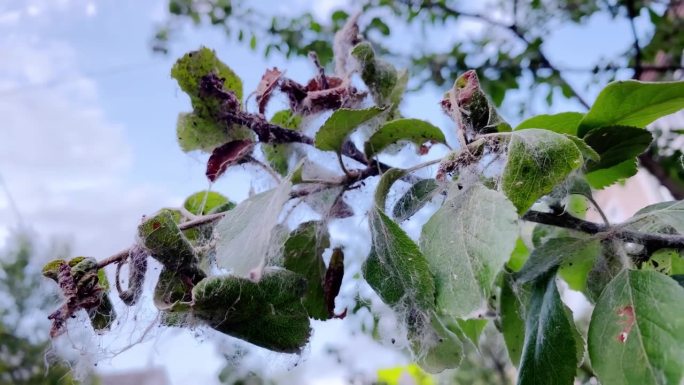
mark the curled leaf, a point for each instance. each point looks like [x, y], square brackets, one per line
[269, 81]
[227, 155]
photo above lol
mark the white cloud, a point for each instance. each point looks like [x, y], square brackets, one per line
[62, 159]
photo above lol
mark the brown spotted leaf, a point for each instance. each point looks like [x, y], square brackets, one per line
[636, 334]
[227, 155]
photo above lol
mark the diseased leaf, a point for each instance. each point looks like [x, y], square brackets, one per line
[395, 268]
[303, 254]
[165, 242]
[556, 251]
[269, 313]
[562, 123]
[457, 243]
[616, 144]
[415, 198]
[537, 161]
[189, 69]
[333, 280]
[636, 334]
[467, 104]
[103, 315]
[205, 202]
[340, 125]
[196, 133]
[380, 76]
[268, 83]
[550, 352]
[413, 130]
[227, 155]
[170, 290]
[245, 234]
[632, 103]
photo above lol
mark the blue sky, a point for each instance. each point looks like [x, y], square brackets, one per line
[88, 117]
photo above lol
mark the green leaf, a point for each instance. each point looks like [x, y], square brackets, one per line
[512, 313]
[605, 177]
[205, 202]
[438, 347]
[563, 123]
[659, 217]
[472, 329]
[246, 236]
[413, 130]
[340, 125]
[550, 351]
[576, 267]
[632, 103]
[636, 334]
[268, 313]
[395, 268]
[616, 144]
[555, 251]
[585, 149]
[457, 244]
[277, 154]
[384, 184]
[518, 256]
[415, 198]
[303, 254]
[537, 161]
[190, 69]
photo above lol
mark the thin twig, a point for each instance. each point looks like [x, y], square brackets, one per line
[599, 209]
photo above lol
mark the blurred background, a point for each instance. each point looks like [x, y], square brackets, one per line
[87, 146]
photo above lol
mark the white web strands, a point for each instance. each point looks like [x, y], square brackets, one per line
[246, 239]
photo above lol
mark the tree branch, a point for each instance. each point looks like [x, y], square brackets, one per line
[652, 241]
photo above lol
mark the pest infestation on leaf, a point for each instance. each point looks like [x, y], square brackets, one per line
[249, 271]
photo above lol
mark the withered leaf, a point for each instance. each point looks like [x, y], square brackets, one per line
[266, 86]
[227, 155]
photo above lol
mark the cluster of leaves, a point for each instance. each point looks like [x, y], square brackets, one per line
[470, 264]
[509, 50]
